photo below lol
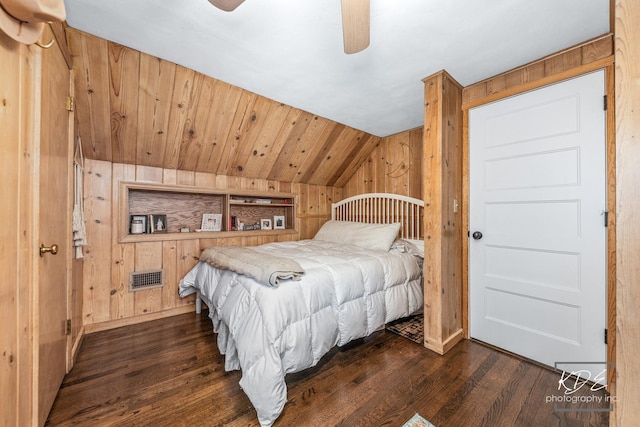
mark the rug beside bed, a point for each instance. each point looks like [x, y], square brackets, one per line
[409, 327]
[417, 421]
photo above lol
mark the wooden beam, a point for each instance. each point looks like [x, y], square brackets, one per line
[442, 186]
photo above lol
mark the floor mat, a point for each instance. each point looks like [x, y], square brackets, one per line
[409, 327]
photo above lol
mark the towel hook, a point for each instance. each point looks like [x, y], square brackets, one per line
[46, 46]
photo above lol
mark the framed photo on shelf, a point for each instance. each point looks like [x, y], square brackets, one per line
[157, 223]
[137, 224]
[211, 222]
[279, 222]
[265, 224]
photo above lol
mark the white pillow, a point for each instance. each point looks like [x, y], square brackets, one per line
[368, 236]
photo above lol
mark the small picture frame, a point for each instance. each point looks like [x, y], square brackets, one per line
[279, 222]
[265, 224]
[211, 222]
[158, 223]
[137, 224]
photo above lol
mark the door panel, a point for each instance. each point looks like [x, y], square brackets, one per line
[512, 173]
[537, 194]
[53, 223]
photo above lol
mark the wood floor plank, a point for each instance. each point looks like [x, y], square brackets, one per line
[169, 372]
[506, 407]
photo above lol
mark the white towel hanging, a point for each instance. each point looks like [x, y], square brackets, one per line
[78, 225]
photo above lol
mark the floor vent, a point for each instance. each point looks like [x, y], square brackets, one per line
[145, 280]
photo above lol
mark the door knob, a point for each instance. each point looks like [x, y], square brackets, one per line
[53, 249]
[477, 235]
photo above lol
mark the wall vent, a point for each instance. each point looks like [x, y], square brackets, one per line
[140, 280]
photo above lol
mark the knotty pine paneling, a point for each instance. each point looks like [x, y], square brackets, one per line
[155, 87]
[108, 264]
[147, 256]
[282, 167]
[123, 98]
[394, 166]
[535, 73]
[121, 301]
[137, 109]
[442, 180]
[627, 122]
[98, 206]
[17, 175]
[92, 95]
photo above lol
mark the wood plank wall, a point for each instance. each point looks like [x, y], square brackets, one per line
[541, 72]
[394, 166]
[138, 109]
[627, 109]
[17, 121]
[108, 263]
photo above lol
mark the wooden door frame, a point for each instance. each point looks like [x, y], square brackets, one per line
[605, 64]
[74, 267]
[57, 31]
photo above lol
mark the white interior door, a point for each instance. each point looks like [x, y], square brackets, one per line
[538, 196]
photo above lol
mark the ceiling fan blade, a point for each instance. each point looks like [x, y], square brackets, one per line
[355, 25]
[226, 5]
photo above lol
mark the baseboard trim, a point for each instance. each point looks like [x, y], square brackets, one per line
[74, 348]
[446, 345]
[118, 323]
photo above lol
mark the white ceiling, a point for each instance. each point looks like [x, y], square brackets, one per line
[291, 50]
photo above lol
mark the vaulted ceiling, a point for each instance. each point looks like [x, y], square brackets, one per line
[138, 109]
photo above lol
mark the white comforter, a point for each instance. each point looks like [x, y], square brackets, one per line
[345, 293]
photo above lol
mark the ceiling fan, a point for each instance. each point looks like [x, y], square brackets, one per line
[355, 21]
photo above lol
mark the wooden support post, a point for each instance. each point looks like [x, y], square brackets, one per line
[442, 184]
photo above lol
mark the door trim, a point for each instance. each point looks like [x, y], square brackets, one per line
[608, 67]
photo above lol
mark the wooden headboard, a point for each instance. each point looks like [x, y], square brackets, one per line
[383, 208]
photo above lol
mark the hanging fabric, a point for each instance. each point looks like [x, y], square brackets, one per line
[79, 230]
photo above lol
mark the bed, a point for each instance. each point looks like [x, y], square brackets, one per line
[278, 308]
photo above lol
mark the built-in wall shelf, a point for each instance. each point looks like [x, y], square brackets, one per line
[158, 212]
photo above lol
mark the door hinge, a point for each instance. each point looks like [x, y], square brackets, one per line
[606, 218]
[605, 103]
[606, 336]
[67, 327]
[70, 103]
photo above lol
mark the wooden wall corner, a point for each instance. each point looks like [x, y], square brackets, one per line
[442, 187]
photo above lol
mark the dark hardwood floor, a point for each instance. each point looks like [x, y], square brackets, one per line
[169, 373]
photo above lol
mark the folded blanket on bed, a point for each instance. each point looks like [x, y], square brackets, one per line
[264, 268]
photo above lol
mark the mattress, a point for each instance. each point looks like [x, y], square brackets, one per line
[345, 293]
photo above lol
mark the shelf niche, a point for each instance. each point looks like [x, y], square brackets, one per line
[185, 205]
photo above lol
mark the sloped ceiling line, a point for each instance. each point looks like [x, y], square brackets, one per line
[292, 50]
[138, 109]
